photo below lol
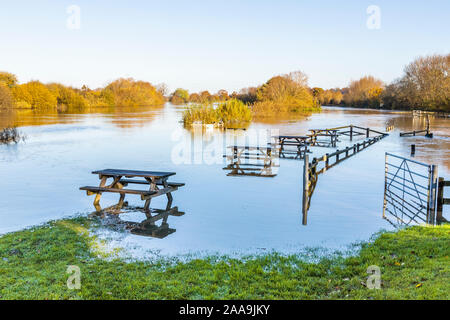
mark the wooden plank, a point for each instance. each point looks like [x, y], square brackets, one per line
[114, 190]
[292, 137]
[133, 173]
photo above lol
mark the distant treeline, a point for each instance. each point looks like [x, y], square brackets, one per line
[54, 96]
[425, 85]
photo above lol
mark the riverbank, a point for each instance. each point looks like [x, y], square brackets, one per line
[414, 264]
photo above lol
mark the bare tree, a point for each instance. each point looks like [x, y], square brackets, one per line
[162, 88]
[299, 77]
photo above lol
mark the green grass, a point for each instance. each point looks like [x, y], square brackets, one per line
[414, 265]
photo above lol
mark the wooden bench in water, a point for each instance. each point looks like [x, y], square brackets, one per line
[122, 178]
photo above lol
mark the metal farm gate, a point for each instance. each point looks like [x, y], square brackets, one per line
[409, 191]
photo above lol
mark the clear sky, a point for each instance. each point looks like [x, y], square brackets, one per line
[215, 45]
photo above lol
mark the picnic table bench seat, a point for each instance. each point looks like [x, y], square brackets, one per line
[94, 190]
[159, 183]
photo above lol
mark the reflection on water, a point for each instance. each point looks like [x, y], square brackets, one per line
[155, 224]
[123, 117]
[40, 178]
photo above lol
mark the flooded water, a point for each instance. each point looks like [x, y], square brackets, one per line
[40, 178]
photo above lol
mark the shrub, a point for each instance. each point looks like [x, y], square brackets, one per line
[35, 94]
[203, 113]
[230, 113]
[234, 111]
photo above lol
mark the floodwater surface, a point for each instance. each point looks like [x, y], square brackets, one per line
[40, 178]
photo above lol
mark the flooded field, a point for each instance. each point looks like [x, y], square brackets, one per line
[40, 178]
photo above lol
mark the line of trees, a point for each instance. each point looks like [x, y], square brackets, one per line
[182, 96]
[425, 85]
[54, 96]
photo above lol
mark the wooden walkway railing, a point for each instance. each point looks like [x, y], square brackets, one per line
[329, 160]
[426, 131]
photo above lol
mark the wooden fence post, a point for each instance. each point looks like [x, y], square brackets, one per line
[305, 190]
[440, 200]
[432, 181]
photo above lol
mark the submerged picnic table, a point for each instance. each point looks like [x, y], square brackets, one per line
[300, 142]
[157, 181]
[251, 161]
[332, 133]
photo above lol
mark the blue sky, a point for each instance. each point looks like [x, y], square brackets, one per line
[217, 44]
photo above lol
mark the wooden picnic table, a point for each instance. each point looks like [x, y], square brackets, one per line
[157, 181]
[252, 156]
[300, 142]
[332, 133]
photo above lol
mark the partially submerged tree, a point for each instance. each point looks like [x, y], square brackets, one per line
[365, 92]
[131, 93]
[282, 94]
[179, 96]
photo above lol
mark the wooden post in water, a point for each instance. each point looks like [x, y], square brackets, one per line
[440, 201]
[413, 149]
[351, 132]
[367, 132]
[305, 190]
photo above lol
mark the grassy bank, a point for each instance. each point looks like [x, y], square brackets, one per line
[414, 264]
